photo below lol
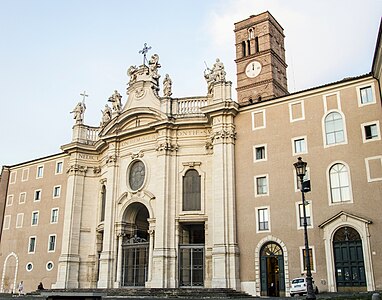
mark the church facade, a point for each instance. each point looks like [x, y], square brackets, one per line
[201, 191]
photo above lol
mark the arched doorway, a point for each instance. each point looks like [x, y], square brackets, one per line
[348, 260]
[272, 270]
[9, 276]
[135, 246]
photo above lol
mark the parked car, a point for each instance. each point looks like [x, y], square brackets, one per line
[299, 287]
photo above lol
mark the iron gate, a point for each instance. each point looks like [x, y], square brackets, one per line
[191, 265]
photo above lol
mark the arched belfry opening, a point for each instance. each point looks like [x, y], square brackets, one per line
[135, 246]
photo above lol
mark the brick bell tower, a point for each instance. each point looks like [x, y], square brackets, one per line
[260, 59]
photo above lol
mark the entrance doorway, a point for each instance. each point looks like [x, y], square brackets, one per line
[272, 270]
[135, 247]
[191, 255]
[348, 260]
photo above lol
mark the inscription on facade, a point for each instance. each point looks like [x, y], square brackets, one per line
[139, 139]
[195, 132]
[87, 156]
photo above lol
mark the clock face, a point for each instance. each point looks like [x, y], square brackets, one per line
[253, 69]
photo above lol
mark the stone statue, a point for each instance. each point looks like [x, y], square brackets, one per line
[132, 73]
[154, 66]
[216, 74]
[167, 86]
[78, 112]
[218, 70]
[115, 99]
[106, 115]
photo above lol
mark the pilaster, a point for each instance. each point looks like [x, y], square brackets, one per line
[225, 251]
[69, 260]
[106, 269]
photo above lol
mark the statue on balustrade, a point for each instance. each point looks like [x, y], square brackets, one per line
[106, 115]
[216, 74]
[167, 86]
[78, 112]
[115, 99]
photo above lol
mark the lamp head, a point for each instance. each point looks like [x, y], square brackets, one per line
[300, 167]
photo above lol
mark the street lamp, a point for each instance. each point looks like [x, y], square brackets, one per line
[300, 167]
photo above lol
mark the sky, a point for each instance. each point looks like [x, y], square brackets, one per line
[53, 50]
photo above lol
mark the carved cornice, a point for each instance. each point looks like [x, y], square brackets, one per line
[77, 169]
[97, 170]
[192, 164]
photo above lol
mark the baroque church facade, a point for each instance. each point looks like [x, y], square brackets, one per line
[201, 191]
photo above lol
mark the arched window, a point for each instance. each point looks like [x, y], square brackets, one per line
[249, 47]
[103, 203]
[256, 44]
[334, 128]
[243, 47]
[339, 183]
[191, 191]
[250, 33]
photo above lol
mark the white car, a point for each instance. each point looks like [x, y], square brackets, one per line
[299, 287]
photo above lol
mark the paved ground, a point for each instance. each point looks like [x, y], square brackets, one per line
[322, 296]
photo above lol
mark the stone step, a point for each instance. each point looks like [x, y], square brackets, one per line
[141, 293]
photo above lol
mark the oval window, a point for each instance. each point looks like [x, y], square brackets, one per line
[29, 267]
[137, 175]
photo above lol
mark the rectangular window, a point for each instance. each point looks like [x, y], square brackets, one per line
[307, 212]
[54, 215]
[56, 191]
[7, 222]
[34, 218]
[59, 165]
[296, 111]
[52, 243]
[261, 185]
[299, 145]
[32, 244]
[373, 168]
[37, 195]
[22, 197]
[370, 131]
[19, 220]
[9, 200]
[303, 254]
[258, 119]
[259, 153]
[262, 219]
[12, 178]
[25, 175]
[366, 94]
[40, 172]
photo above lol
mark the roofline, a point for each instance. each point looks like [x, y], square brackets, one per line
[34, 160]
[345, 80]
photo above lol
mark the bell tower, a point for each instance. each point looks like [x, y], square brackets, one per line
[260, 59]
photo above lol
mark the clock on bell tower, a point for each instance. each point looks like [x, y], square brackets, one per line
[260, 59]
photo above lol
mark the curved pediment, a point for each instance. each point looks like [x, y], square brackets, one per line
[133, 119]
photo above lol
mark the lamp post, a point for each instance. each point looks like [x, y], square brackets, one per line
[300, 167]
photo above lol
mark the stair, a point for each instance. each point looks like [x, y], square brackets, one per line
[143, 293]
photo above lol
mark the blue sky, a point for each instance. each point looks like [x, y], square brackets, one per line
[52, 50]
